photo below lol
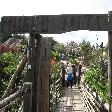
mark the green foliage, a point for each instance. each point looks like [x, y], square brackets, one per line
[71, 50]
[11, 60]
[8, 64]
[72, 61]
[55, 55]
[52, 41]
[55, 86]
[97, 80]
[57, 51]
[86, 51]
[55, 78]
[56, 48]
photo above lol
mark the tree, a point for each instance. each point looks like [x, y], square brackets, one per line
[72, 49]
[59, 47]
[52, 41]
[56, 48]
[86, 51]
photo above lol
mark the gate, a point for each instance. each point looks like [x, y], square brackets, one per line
[39, 48]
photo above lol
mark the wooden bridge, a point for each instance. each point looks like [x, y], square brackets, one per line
[35, 94]
[71, 101]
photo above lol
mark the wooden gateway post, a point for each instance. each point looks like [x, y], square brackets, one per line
[110, 69]
[110, 64]
[52, 24]
[39, 72]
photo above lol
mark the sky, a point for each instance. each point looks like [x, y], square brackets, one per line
[55, 7]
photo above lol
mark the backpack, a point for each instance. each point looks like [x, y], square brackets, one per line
[70, 76]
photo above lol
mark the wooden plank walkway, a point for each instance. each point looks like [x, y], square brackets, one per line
[71, 101]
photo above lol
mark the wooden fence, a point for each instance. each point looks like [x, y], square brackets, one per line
[90, 102]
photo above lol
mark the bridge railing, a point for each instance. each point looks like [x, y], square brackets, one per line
[89, 100]
[17, 90]
[23, 94]
[9, 101]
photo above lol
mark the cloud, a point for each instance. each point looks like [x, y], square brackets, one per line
[52, 7]
[78, 36]
[41, 7]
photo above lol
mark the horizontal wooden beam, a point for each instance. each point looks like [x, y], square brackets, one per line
[53, 24]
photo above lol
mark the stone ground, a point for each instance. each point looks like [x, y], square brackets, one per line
[71, 101]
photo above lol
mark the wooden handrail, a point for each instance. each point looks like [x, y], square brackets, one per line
[7, 106]
[26, 93]
[92, 102]
[10, 98]
[86, 101]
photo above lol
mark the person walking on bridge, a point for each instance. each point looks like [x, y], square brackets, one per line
[74, 74]
[69, 75]
[79, 73]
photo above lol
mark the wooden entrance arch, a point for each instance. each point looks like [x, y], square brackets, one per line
[53, 24]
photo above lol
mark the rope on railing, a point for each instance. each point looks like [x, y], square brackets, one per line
[89, 101]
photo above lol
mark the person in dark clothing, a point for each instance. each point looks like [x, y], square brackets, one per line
[74, 74]
[69, 80]
[63, 75]
[79, 73]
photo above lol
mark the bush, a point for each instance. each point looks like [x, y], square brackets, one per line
[8, 65]
[97, 80]
[55, 86]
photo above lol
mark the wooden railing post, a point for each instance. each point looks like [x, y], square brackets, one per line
[27, 104]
